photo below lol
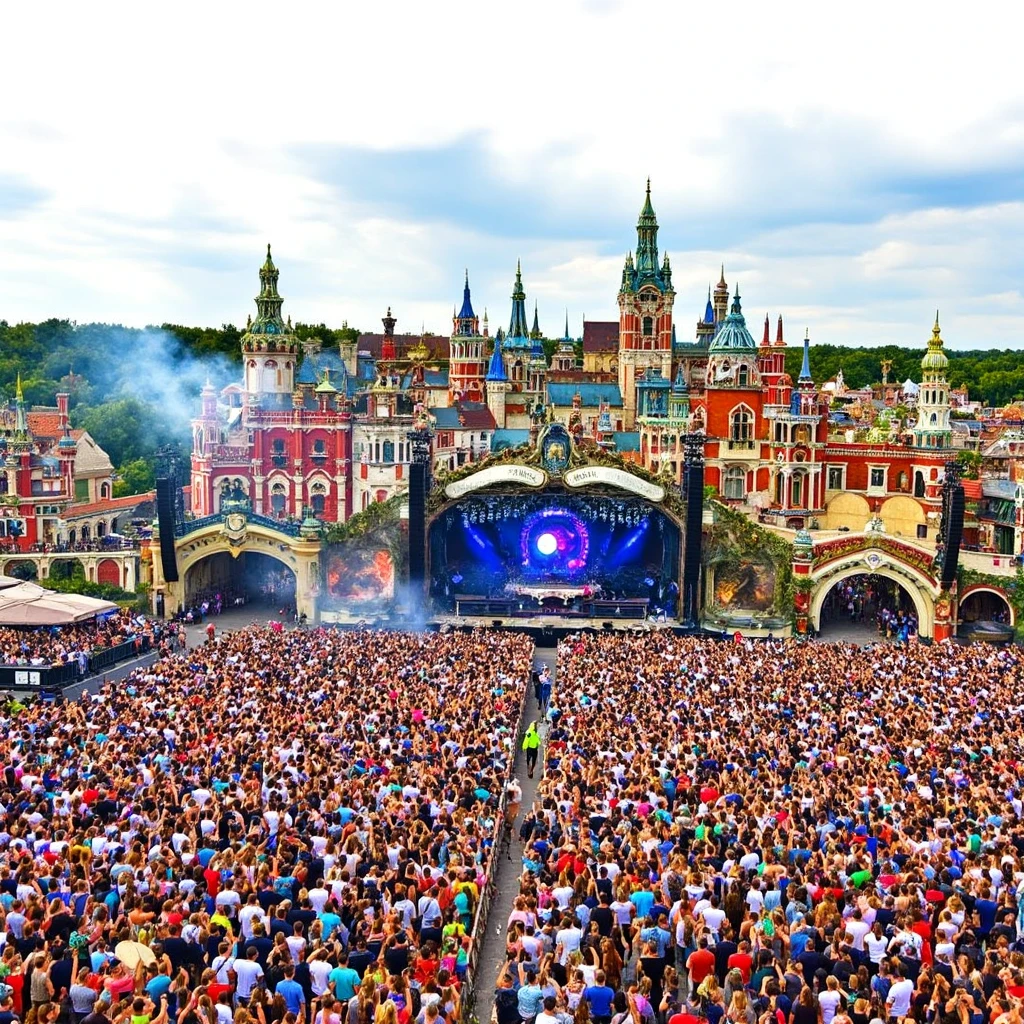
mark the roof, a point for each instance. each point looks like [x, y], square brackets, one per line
[466, 313]
[999, 489]
[463, 416]
[626, 441]
[733, 335]
[509, 438]
[43, 423]
[590, 394]
[431, 379]
[91, 458]
[372, 343]
[93, 508]
[600, 335]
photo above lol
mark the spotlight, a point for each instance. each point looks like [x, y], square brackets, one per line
[546, 544]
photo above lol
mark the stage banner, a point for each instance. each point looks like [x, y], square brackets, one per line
[590, 475]
[511, 474]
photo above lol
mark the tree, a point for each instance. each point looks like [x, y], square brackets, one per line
[134, 477]
[970, 463]
[126, 428]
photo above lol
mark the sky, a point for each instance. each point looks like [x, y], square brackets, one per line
[855, 167]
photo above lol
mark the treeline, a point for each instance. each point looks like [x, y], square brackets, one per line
[133, 389]
[993, 377]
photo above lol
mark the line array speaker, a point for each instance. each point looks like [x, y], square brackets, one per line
[417, 524]
[692, 548]
[165, 520]
[954, 535]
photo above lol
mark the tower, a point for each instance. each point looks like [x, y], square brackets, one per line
[645, 301]
[535, 334]
[388, 353]
[721, 300]
[706, 325]
[733, 355]
[67, 449]
[933, 429]
[467, 361]
[565, 356]
[269, 347]
[516, 345]
[497, 385]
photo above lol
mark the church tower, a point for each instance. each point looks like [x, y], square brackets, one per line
[269, 347]
[645, 312]
[933, 429]
[497, 384]
[468, 361]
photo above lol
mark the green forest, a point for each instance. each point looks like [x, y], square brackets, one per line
[135, 389]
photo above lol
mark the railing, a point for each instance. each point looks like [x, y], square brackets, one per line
[741, 444]
[290, 528]
[53, 678]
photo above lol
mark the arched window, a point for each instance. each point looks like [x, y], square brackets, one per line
[104, 490]
[919, 484]
[798, 490]
[648, 327]
[85, 533]
[901, 482]
[741, 428]
[318, 498]
[277, 455]
[734, 484]
[101, 529]
[278, 498]
[319, 452]
[71, 537]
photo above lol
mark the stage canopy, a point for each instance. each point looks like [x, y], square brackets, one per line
[28, 604]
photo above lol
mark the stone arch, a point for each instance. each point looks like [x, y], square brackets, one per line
[884, 565]
[108, 571]
[22, 569]
[984, 588]
[849, 510]
[65, 568]
[902, 516]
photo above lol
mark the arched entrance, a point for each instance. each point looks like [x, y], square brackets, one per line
[22, 570]
[867, 607]
[985, 614]
[66, 569]
[248, 578]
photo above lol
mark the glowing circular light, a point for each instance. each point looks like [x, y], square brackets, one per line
[547, 544]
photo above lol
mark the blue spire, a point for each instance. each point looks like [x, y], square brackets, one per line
[805, 368]
[466, 313]
[496, 371]
[709, 310]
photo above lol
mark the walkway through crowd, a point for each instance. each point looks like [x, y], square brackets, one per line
[510, 865]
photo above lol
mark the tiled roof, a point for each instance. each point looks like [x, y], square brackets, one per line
[42, 423]
[590, 394]
[90, 457]
[600, 335]
[474, 416]
[93, 508]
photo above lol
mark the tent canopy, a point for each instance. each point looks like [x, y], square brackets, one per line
[28, 604]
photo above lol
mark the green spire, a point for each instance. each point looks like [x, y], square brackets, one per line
[517, 325]
[268, 302]
[535, 330]
[19, 395]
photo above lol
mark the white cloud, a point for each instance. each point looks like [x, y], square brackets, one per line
[853, 170]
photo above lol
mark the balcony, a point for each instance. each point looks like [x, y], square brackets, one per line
[741, 444]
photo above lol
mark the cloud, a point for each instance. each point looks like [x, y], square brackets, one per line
[18, 196]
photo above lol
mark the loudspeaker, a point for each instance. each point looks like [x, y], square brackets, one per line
[954, 534]
[692, 549]
[417, 524]
[165, 520]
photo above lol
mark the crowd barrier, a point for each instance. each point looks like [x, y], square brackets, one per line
[51, 679]
[478, 932]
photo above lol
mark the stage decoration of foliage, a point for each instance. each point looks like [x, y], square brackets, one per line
[840, 547]
[373, 517]
[735, 539]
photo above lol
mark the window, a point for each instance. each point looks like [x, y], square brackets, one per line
[318, 499]
[877, 477]
[836, 478]
[742, 377]
[735, 483]
[797, 490]
[105, 490]
[922, 531]
[319, 451]
[919, 484]
[648, 327]
[277, 455]
[389, 451]
[278, 499]
[901, 482]
[741, 428]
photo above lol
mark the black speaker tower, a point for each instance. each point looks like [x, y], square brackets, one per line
[693, 483]
[419, 487]
[170, 507]
[952, 530]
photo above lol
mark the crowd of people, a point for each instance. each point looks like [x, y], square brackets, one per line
[772, 833]
[864, 598]
[75, 643]
[275, 827]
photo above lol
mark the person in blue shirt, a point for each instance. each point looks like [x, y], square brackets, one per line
[599, 997]
[643, 899]
[291, 991]
[344, 980]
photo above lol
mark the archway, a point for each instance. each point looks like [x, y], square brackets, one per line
[66, 569]
[985, 614]
[903, 517]
[22, 570]
[250, 578]
[864, 607]
[847, 512]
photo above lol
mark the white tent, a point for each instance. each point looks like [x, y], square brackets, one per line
[28, 604]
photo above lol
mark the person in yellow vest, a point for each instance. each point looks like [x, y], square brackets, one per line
[531, 744]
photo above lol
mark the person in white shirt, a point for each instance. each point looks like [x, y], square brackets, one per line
[856, 930]
[250, 913]
[829, 1000]
[897, 1003]
[567, 942]
[248, 975]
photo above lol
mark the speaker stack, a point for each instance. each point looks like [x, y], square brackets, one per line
[165, 488]
[952, 522]
[419, 486]
[693, 482]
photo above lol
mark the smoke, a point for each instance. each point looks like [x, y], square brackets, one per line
[410, 609]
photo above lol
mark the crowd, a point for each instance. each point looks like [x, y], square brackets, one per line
[863, 598]
[772, 833]
[75, 642]
[273, 828]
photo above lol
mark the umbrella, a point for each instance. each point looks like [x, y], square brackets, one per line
[131, 953]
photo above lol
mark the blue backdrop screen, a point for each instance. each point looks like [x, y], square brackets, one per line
[485, 545]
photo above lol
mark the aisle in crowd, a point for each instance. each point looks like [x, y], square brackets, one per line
[773, 833]
[287, 827]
